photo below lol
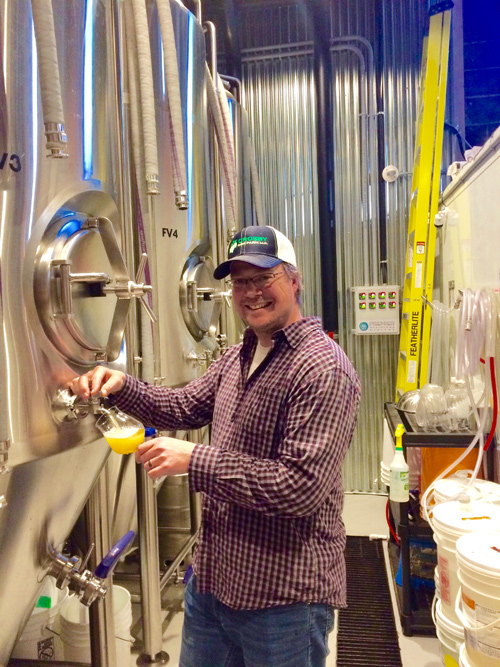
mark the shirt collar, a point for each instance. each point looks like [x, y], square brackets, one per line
[292, 334]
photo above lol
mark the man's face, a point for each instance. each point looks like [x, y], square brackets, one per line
[266, 309]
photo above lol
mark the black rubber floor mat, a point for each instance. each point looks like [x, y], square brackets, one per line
[367, 635]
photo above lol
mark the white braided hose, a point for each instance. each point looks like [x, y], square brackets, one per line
[223, 150]
[48, 72]
[147, 97]
[228, 131]
[174, 104]
[133, 94]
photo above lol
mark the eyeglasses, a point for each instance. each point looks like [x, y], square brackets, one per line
[259, 282]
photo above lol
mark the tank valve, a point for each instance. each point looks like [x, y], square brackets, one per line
[67, 406]
[88, 586]
[202, 358]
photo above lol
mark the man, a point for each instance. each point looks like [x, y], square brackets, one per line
[269, 566]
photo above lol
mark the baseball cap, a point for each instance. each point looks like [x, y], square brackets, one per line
[261, 246]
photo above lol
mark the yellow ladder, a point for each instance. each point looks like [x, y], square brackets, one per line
[419, 268]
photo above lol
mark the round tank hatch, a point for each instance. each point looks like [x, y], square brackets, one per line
[199, 296]
[72, 269]
[81, 285]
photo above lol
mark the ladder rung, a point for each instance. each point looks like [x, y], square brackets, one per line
[406, 316]
[409, 275]
[402, 355]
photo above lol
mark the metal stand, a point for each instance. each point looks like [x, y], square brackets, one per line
[102, 625]
[150, 567]
[416, 616]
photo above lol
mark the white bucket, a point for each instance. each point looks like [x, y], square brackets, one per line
[478, 561]
[464, 660]
[75, 632]
[436, 581]
[451, 638]
[451, 520]
[451, 487]
[39, 639]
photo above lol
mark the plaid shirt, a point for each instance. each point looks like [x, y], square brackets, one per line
[272, 532]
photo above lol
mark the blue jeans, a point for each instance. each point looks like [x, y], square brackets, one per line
[215, 635]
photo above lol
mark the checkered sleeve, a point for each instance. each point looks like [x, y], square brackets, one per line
[320, 419]
[185, 408]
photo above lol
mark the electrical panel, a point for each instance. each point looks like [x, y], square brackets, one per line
[376, 309]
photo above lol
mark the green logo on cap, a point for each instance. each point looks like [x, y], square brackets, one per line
[245, 241]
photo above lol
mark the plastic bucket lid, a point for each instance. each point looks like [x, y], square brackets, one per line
[454, 519]
[481, 554]
[449, 488]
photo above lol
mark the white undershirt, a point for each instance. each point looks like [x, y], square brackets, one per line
[260, 354]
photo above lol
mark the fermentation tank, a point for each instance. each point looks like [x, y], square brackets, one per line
[63, 307]
[76, 197]
[178, 241]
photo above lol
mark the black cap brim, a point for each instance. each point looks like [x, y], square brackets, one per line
[262, 261]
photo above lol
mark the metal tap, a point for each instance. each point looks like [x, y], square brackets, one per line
[222, 344]
[202, 358]
[89, 586]
[67, 406]
[196, 294]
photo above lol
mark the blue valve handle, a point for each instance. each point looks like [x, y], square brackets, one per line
[107, 565]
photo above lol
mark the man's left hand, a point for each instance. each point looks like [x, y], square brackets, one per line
[165, 456]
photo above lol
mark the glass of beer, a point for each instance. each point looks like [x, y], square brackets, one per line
[123, 433]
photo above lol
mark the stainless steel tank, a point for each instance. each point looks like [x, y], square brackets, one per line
[61, 276]
[180, 243]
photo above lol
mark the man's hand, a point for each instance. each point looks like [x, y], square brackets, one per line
[165, 456]
[101, 379]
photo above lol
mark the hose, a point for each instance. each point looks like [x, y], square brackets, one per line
[476, 338]
[174, 104]
[393, 532]
[227, 169]
[50, 84]
[147, 97]
[228, 131]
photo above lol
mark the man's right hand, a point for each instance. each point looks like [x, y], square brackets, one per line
[101, 379]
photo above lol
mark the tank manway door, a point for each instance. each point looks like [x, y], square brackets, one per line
[82, 288]
[200, 297]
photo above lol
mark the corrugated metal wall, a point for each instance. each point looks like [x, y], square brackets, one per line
[278, 93]
[375, 56]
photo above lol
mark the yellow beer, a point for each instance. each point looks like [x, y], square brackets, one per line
[124, 440]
